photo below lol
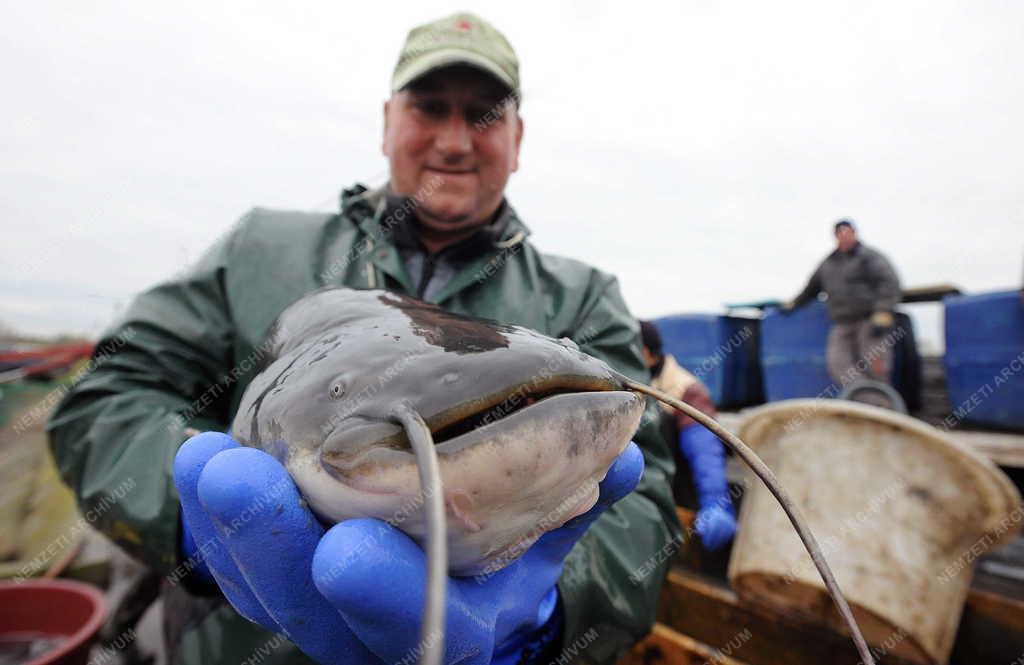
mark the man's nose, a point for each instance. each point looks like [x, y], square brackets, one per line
[455, 136]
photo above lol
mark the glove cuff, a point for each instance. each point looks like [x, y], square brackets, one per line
[543, 646]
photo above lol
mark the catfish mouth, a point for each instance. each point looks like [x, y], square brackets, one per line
[490, 411]
[357, 439]
[491, 416]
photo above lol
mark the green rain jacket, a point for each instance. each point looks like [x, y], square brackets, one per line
[186, 349]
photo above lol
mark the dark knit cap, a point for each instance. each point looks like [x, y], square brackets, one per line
[844, 222]
[651, 337]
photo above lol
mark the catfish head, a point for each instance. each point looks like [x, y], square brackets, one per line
[525, 426]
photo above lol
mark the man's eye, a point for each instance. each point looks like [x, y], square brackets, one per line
[431, 108]
[483, 116]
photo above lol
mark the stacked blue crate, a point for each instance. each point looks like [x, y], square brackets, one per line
[793, 353]
[985, 358]
[720, 350]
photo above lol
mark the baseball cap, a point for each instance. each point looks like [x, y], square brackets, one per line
[459, 39]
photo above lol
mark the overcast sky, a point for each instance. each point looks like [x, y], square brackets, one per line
[701, 152]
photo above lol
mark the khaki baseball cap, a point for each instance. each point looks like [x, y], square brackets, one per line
[457, 39]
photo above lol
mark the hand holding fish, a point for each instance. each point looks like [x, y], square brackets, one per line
[355, 593]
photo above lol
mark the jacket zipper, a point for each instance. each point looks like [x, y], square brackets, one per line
[371, 276]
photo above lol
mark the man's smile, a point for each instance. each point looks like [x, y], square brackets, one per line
[449, 171]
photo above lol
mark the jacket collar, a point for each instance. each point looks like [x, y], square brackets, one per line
[853, 250]
[379, 219]
[390, 218]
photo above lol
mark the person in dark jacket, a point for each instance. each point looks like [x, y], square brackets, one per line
[700, 481]
[863, 291]
[239, 560]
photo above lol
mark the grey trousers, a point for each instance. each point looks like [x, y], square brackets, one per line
[854, 352]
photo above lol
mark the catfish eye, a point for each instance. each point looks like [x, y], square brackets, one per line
[337, 390]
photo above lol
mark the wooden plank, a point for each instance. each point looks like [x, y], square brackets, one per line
[664, 646]
[991, 630]
[714, 616]
[1003, 448]
[1007, 611]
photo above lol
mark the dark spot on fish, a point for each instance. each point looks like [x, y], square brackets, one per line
[280, 509]
[254, 433]
[574, 449]
[397, 338]
[447, 330]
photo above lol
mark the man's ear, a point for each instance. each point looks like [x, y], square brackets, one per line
[519, 140]
[384, 146]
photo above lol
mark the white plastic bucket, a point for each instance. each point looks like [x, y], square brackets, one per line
[901, 510]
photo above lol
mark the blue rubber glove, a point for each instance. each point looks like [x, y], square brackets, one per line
[716, 520]
[195, 557]
[255, 534]
[355, 595]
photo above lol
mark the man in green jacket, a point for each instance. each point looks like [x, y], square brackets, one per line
[440, 230]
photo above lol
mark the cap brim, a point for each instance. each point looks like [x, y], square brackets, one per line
[447, 58]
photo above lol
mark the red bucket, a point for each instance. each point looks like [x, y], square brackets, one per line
[49, 622]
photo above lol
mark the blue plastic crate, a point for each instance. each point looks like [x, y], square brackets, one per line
[720, 350]
[793, 353]
[985, 358]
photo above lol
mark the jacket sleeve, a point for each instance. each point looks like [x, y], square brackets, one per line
[612, 578]
[158, 371]
[886, 282]
[810, 291]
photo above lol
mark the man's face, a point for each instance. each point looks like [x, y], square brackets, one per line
[846, 238]
[451, 139]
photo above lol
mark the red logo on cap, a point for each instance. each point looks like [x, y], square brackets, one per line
[463, 25]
